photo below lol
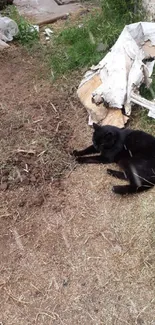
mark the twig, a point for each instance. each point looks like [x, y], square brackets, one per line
[41, 153]
[86, 240]
[30, 152]
[94, 257]
[103, 235]
[53, 107]
[26, 169]
[18, 240]
[32, 285]
[142, 310]
[57, 128]
[45, 314]
[41, 119]
[5, 215]
[16, 299]
[26, 233]
[53, 316]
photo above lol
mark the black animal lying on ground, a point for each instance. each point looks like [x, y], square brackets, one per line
[132, 150]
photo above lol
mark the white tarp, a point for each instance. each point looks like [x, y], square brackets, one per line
[122, 70]
[8, 29]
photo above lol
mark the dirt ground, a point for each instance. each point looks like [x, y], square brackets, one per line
[71, 251]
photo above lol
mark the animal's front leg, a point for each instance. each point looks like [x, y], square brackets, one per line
[117, 174]
[88, 151]
[129, 189]
[92, 160]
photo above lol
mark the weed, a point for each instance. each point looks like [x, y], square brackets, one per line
[122, 10]
[74, 48]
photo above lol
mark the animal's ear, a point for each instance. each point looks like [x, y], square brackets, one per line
[96, 126]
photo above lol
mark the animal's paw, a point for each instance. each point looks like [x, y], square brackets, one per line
[109, 171]
[80, 160]
[114, 189]
[74, 153]
[118, 189]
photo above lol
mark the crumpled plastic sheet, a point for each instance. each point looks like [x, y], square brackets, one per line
[8, 29]
[122, 69]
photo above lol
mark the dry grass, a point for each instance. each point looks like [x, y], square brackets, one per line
[72, 252]
[35, 123]
[89, 260]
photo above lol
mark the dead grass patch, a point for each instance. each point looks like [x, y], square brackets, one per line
[72, 252]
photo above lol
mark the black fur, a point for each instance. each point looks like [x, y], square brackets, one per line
[132, 150]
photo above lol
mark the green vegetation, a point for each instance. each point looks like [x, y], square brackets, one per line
[77, 46]
[27, 34]
[141, 121]
[149, 93]
[87, 41]
[140, 115]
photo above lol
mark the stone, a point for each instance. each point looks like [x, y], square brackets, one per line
[45, 10]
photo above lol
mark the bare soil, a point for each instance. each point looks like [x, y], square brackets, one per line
[71, 251]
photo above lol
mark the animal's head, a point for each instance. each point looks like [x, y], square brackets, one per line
[104, 137]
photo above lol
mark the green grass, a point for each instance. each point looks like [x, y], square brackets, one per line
[141, 121]
[27, 35]
[76, 47]
[139, 118]
[149, 93]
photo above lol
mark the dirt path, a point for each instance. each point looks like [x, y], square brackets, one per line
[71, 251]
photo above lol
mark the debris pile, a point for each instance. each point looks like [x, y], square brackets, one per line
[109, 89]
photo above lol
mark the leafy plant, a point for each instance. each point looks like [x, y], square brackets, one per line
[27, 35]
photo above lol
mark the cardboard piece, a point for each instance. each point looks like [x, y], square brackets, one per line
[99, 113]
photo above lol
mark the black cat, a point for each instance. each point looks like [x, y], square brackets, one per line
[132, 150]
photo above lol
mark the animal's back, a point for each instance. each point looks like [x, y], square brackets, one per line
[140, 143]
